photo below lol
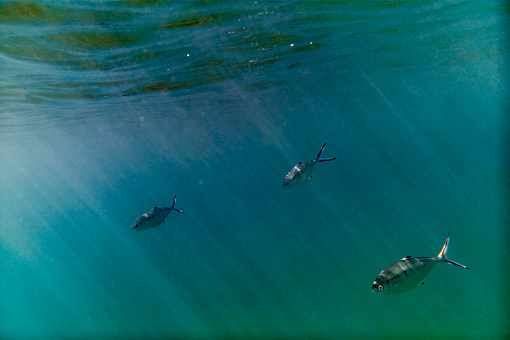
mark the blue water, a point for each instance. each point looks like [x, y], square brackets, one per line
[111, 108]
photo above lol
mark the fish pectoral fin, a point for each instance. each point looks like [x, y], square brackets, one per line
[421, 284]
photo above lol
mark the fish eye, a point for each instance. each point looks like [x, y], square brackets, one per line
[380, 287]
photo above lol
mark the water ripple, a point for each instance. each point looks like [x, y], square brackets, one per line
[97, 50]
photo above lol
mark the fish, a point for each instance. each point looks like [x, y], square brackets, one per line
[409, 272]
[154, 217]
[302, 172]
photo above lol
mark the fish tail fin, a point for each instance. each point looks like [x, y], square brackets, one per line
[442, 254]
[319, 154]
[325, 159]
[173, 206]
[455, 263]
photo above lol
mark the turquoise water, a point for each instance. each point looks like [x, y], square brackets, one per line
[111, 108]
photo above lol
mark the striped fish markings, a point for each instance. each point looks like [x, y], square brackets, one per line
[409, 272]
[154, 217]
[301, 172]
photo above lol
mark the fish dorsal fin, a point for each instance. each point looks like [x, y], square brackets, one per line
[300, 163]
[406, 258]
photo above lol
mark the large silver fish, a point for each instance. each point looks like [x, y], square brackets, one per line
[409, 272]
[301, 172]
[154, 217]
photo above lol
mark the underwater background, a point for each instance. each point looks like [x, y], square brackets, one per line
[111, 108]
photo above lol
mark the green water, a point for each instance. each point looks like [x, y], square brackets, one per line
[110, 108]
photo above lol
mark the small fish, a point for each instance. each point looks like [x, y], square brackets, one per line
[154, 217]
[409, 272]
[301, 172]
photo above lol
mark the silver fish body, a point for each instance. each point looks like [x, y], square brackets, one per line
[302, 171]
[154, 217]
[409, 272]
